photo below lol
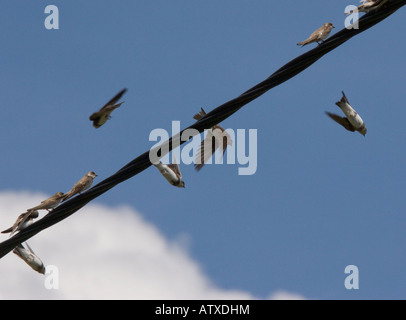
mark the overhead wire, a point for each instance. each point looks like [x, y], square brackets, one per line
[212, 118]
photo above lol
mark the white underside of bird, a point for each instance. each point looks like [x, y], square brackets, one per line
[353, 117]
[170, 174]
[28, 255]
[167, 173]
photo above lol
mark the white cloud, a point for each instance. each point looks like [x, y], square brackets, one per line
[284, 295]
[106, 253]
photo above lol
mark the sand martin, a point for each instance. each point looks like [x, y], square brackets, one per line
[22, 222]
[368, 5]
[216, 138]
[80, 186]
[100, 117]
[352, 121]
[49, 203]
[319, 35]
[28, 255]
[172, 173]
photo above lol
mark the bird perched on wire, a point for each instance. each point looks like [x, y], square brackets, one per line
[49, 203]
[352, 120]
[319, 35]
[368, 5]
[23, 221]
[80, 186]
[28, 255]
[100, 117]
[172, 173]
[216, 138]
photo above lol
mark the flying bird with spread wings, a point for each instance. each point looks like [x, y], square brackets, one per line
[352, 120]
[216, 138]
[100, 117]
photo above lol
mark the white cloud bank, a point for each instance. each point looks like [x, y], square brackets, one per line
[106, 253]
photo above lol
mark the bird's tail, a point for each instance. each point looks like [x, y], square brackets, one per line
[303, 43]
[34, 209]
[67, 196]
[8, 230]
[343, 100]
[118, 105]
[199, 115]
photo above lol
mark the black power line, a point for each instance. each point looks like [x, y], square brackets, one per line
[216, 116]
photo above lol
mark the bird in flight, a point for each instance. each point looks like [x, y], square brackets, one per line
[352, 120]
[100, 117]
[216, 138]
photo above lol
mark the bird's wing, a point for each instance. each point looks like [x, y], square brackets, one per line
[100, 117]
[29, 248]
[67, 195]
[115, 99]
[8, 230]
[342, 120]
[216, 138]
[76, 187]
[206, 150]
[175, 168]
[18, 251]
[199, 115]
[344, 99]
[20, 220]
[222, 137]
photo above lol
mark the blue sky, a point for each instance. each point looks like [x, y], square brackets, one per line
[322, 198]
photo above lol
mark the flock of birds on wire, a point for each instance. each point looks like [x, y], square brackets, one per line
[216, 137]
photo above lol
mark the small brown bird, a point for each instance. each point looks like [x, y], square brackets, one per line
[216, 138]
[80, 186]
[49, 203]
[100, 117]
[319, 35]
[22, 222]
[352, 120]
